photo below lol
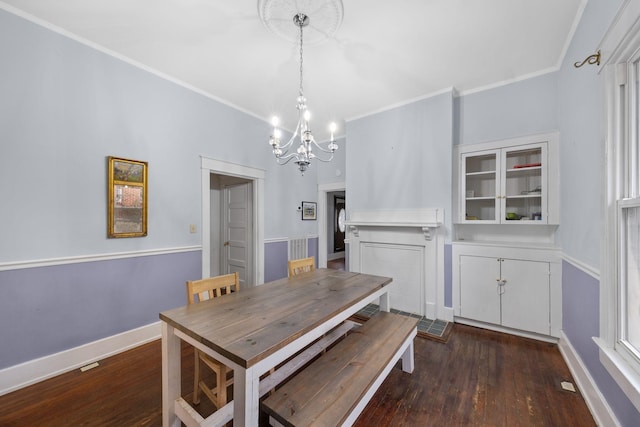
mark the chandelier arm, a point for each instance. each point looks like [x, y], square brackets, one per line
[286, 159]
[289, 143]
[320, 147]
[324, 160]
[293, 137]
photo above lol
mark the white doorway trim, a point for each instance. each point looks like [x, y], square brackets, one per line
[209, 166]
[323, 189]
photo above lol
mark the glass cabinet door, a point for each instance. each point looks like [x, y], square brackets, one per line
[480, 185]
[523, 187]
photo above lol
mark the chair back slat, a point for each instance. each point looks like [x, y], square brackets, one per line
[212, 287]
[302, 265]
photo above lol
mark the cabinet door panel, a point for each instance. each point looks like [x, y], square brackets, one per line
[479, 298]
[523, 191]
[480, 185]
[525, 299]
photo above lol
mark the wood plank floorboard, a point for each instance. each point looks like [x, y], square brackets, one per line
[478, 378]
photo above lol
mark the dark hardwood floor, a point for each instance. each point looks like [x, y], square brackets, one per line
[478, 378]
[336, 264]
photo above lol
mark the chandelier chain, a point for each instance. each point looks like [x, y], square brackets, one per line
[301, 25]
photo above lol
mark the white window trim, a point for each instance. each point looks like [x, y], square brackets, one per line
[619, 47]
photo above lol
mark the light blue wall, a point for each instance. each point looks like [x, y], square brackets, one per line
[402, 158]
[333, 171]
[581, 151]
[65, 107]
[517, 109]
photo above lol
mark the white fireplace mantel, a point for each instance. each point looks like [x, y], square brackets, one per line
[405, 244]
[426, 220]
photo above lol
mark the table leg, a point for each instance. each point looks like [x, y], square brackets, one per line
[407, 359]
[246, 395]
[170, 375]
[385, 305]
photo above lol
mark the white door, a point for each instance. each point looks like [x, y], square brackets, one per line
[237, 231]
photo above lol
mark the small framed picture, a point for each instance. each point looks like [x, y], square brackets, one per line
[127, 198]
[308, 211]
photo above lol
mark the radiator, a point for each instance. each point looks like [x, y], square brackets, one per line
[298, 248]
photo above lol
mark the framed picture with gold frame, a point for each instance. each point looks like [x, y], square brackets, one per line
[127, 198]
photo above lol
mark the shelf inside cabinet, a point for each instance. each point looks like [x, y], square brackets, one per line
[525, 196]
[527, 170]
[482, 173]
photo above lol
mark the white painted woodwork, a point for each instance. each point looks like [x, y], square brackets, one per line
[512, 288]
[323, 247]
[525, 298]
[407, 245]
[33, 371]
[237, 230]
[479, 287]
[406, 263]
[170, 375]
[488, 186]
[257, 176]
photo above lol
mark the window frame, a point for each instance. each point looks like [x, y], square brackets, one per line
[628, 353]
[621, 71]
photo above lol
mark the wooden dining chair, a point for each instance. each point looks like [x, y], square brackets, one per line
[302, 265]
[205, 289]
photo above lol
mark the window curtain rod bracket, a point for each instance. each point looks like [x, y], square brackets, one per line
[593, 59]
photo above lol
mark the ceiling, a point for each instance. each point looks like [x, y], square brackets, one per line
[385, 53]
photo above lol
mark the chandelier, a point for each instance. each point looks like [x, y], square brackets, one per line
[303, 155]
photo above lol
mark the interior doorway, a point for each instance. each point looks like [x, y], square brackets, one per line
[233, 212]
[336, 225]
[328, 221]
[231, 222]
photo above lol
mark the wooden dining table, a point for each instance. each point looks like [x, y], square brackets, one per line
[257, 329]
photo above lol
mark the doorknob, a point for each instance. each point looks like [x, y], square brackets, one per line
[226, 244]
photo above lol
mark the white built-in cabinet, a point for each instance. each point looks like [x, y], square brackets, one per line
[508, 277]
[508, 286]
[508, 181]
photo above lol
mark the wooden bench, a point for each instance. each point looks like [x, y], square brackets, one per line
[335, 388]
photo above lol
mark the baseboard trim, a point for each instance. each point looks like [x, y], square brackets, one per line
[447, 314]
[33, 371]
[503, 329]
[596, 402]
